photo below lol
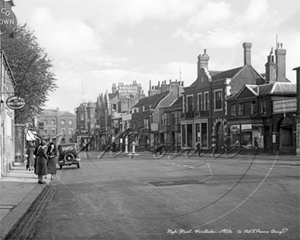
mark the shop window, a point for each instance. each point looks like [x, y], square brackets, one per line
[183, 134]
[204, 137]
[198, 136]
[189, 130]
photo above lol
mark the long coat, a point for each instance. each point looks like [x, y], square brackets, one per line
[41, 161]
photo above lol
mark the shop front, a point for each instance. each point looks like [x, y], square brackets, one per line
[250, 136]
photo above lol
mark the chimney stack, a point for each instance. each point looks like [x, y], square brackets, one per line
[281, 63]
[271, 68]
[203, 61]
[247, 53]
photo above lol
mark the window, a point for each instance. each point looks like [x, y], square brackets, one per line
[63, 130]
[62, 122]
[263, 107]
[218, 100]
[45, 132]
[70, 131]
[45, 122]
[233, 109]
[70, 122]
[114, 107]
[53, 131]
[200, 102]
[168, 120]
[190, 105]
[241, 109]
[253, 108]
[146, 123]
[206, 101]
[82, 117]
[52, 122]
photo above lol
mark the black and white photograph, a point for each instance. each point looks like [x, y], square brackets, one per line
[149, 120]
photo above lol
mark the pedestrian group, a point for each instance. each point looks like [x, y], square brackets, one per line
[42, 159]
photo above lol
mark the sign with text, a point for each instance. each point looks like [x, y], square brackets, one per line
[15, 102]
[285, 105]
[8, 20]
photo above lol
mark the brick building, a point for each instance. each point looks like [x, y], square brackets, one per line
[204, 102]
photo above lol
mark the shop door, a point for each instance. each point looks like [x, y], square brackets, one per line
[286, 143]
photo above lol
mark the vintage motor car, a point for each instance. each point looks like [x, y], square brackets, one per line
[68, 155]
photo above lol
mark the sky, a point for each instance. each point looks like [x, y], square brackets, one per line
[95, 43]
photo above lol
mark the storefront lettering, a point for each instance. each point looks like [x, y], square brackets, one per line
[281, 106]
[5, 12]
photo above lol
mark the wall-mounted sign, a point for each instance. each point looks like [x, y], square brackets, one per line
[8, 20]
[15, 102]
[285, 105]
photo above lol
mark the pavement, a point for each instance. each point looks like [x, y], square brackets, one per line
[18, 190]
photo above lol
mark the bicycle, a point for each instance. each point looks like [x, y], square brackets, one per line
[112, 146]
[229, 152]
[191, 152]
[178, 153]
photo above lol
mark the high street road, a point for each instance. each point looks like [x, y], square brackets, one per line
[252, 197]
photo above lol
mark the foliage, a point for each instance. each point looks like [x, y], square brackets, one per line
[31, 68]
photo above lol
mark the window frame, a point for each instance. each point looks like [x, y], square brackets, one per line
[216, 91]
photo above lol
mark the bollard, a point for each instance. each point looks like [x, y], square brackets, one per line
[126, 145]
[133, 147]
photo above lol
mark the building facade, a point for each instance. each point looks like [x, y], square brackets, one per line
[204, 117]
[7, 126]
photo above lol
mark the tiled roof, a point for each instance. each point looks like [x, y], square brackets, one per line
[66, 114]
[277, 88]
[152, 100]
[178, 101]
[226, 74]
[112, 95]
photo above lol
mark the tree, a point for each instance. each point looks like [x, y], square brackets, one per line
[31, 68]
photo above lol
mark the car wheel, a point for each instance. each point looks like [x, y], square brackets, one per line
[78, 165]
[69, 157]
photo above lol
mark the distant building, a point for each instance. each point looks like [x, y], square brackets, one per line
[52, 122]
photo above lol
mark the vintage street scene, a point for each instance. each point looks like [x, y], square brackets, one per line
[161, 119]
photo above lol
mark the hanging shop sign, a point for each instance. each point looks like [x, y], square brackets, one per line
[15, 102]
[8, 20]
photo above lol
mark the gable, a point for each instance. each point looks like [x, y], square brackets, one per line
[245, 93]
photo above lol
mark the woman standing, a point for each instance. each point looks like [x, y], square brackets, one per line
[30, 152]
[41, 162]
[51, 164]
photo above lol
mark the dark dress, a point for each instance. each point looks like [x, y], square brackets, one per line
[41, 162]
[51, 164]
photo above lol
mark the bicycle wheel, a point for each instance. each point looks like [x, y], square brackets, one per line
[216, 153]
[160, 152]
[176, 154]
[190, 152]
[101, 154]
[232, 151]
[115, 154]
